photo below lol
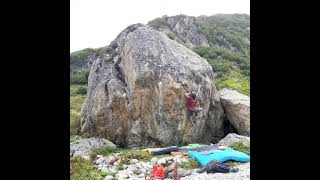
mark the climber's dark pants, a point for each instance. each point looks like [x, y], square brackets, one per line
[193, 112]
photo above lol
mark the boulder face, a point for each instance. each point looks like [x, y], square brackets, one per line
[136, 91]
[237, 109]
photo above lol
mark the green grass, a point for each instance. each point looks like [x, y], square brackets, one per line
[104, 174]
[127, 155]
[81, 169]
[191, 164]
[239, 84]
[74, 138]
[120, 166]
[103, 151]
[76, 102]
[239, 146]
[232, 163]
[78, 89]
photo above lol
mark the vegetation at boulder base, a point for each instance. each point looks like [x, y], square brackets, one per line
[83, 169]
[77, 98]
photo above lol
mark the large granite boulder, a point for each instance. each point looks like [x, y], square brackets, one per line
[136, 91]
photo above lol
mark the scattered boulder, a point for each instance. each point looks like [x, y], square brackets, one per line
[182, 173]
[237, 109]
[83, 147]
[234, 138]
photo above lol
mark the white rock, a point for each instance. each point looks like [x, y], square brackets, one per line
[154, 161]
[147, 166]
[169, 158]
[86, 157]
[122, 176]
[138, 165]
[116, 163]
[108, 177]
[100, 160]
[162, 161]
[105, 169]
[99, 156]
[232, 138]
[134, 161]
[141, 175]
[77, 153]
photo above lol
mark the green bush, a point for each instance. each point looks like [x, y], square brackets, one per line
[81, 169]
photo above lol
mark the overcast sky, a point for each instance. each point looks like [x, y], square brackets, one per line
[95, 23]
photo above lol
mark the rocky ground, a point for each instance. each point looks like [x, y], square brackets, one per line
[114, 168]
[136, 170]
[242, 174]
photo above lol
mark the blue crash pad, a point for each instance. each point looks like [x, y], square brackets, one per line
[219, 155]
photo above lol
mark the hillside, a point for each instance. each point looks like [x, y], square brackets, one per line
[223, 39]
[80, 62]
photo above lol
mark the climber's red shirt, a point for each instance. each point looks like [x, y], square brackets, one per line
[191, 103]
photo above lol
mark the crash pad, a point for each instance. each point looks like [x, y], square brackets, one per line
[201, 148]
[166, 150]
[150, 149]
[219, 155]
[189, 146]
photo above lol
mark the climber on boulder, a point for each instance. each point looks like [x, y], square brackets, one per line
[192, 103]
